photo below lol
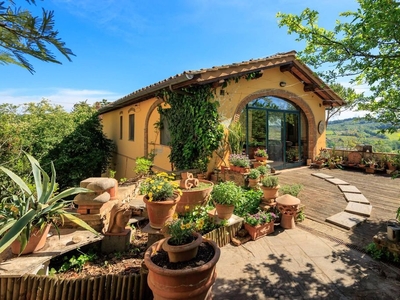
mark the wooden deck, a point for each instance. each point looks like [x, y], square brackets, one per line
[324, 199]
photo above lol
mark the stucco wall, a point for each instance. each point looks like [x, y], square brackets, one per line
[235, 97]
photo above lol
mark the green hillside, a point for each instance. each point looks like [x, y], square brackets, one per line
[348, 133]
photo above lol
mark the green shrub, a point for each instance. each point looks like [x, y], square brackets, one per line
[264, 170]
[143, 166]
[249, 204]
[270, 181]
[227, 193]
[291, 189]
[254, 174]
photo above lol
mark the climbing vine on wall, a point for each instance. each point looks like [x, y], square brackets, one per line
[193, 122]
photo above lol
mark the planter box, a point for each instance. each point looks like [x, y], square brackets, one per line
[259, 231]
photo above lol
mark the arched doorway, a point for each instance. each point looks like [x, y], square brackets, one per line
[279, 126]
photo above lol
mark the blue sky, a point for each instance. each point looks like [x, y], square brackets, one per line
[124, 45]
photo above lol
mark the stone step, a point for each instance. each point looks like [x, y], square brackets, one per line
[359, 209]
[359, 198]
[337, 181]
[345, 220]
[349, 189]
[322, 175]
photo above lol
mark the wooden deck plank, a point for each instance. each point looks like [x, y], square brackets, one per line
[323, 199]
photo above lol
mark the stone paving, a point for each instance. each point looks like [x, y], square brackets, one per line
[297, 264]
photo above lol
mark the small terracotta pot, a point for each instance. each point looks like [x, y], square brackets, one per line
[259, 231]
[270, 193]
[224, 211]
[259, 158]
[182, 252]
[253, 182]
[36, 242]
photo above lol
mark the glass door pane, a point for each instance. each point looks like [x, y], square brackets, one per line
[292, 138]
[275, 137]
[257, 121]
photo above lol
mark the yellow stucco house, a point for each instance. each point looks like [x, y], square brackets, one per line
[281, 106]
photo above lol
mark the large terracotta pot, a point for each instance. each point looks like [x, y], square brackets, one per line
[224, 211]
[35, 243]
[182, 252]
[190, 283]
[270, 193]
[160, 211]
[192, 198]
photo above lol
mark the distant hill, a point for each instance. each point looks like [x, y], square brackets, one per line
[348, 133]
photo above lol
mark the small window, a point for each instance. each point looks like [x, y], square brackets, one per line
[131, 127]
[121, 123]
[165, 135]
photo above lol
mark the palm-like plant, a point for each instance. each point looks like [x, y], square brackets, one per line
[21, 213]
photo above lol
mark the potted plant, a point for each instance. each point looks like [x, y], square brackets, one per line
[270, 187]
[191, 279]
[182, 242]
[161, 195]
[254, 177]
[225, 195]
[261, 154]
[26, 216]
[264, 170]
[240, 161]
[259, 224]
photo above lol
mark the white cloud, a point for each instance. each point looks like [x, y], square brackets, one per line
[62, 96]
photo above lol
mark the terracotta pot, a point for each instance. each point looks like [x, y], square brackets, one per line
[189, 283]
[160, 211]
[224, 211]
[259, 230]
[182, 252]
[192, 198]
[270, 193]
[253, 182]
[259, 158]
[35, 243]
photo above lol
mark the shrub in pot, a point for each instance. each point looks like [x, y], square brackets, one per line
[254, 177]
[270, 187]
[30, 211]
[225, 195]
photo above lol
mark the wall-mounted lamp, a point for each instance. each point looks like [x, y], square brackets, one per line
[282, 84]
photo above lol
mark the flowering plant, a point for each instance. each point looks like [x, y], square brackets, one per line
[261, 152]
[160, 187]
[239, 160]
[260, 218]
[180, 232]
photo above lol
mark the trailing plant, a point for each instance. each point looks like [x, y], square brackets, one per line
[194, 125]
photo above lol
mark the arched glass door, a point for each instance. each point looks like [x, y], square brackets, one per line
[274, 124]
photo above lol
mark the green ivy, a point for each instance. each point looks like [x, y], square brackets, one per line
[193, 121]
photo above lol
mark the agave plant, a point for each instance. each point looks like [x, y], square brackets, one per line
[24, 211]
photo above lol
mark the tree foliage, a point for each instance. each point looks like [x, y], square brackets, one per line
[363, 45]
[22, 33]
[73, 141]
